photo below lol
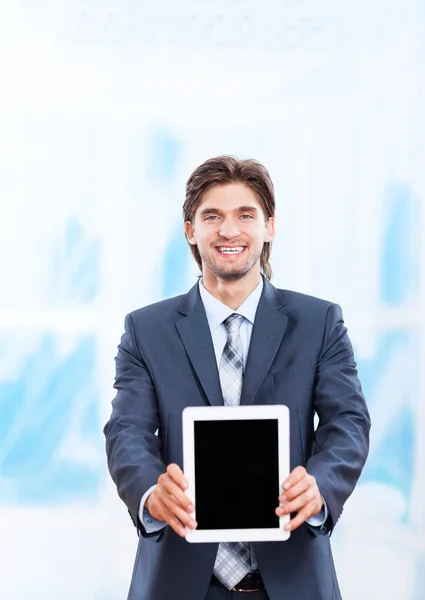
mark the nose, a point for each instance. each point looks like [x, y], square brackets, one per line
[229, 228]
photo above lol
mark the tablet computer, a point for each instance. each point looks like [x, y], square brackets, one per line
[235, 459]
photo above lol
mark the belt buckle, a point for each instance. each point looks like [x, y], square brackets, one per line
[236, 588]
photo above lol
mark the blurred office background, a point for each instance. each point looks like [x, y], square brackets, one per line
[106, 106]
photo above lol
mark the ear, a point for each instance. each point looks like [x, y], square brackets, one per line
[270, 229]
[190, 233]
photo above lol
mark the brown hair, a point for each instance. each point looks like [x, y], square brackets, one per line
[224, 170]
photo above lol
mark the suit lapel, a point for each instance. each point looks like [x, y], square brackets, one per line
[196, 337]
[267, 334]
[269, 328]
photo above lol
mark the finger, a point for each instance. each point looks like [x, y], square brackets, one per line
[177, 476]
[177, 518]
[185, 519]
[296, 475]
[301, 517]
[170, 491]
[310, 495]
[175, 524]
[297, 489]
[181, 513]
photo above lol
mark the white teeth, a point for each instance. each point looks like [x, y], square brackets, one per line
[231, 250]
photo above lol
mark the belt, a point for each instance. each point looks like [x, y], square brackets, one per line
[252, 582]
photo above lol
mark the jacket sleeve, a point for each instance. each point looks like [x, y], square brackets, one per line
[132, 446]
[342, 436]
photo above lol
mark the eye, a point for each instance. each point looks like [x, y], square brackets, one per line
[211, 218]
[246, 217]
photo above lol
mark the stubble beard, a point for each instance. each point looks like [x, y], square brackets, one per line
[231, 273]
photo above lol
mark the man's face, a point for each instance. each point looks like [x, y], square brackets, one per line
[229, 229]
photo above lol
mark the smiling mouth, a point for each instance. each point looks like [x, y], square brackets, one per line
[231, 250]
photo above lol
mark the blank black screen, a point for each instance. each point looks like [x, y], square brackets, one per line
[236, 474]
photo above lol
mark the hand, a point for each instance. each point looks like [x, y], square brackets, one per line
[300, 495]
[169, 503]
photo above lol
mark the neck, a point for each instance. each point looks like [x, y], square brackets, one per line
[232, 293]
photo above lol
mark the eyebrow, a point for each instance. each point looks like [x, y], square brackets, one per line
[216, 211]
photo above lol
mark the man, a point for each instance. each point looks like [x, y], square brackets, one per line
[291, 349]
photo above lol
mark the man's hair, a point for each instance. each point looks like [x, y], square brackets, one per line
[224, 170]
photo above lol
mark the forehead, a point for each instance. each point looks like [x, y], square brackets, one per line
[230, 197]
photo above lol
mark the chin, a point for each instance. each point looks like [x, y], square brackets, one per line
[231, 274]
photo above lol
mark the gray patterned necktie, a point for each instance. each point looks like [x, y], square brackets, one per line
[233, 559]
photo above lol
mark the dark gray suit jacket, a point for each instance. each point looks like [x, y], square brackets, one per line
[300, 355]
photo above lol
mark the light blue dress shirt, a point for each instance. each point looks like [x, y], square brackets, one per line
[216, 313]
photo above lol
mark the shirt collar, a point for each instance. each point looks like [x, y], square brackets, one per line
[217, 312]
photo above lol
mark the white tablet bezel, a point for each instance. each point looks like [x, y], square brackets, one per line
[214, 413]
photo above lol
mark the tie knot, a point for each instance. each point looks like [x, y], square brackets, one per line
[233, 323]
